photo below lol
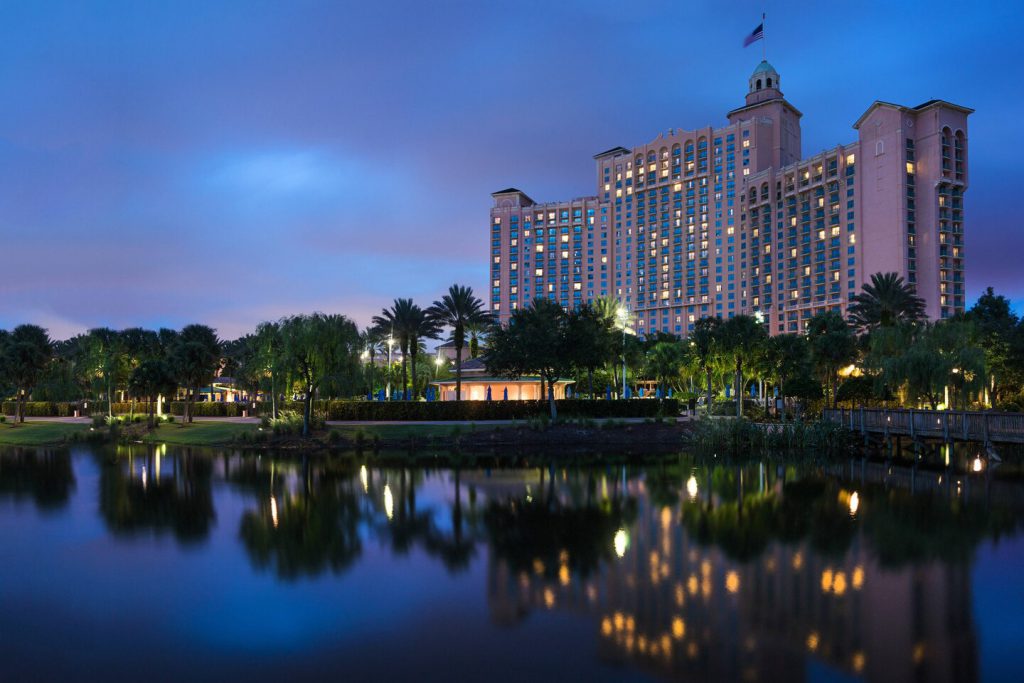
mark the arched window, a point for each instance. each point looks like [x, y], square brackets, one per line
[769, 81]
[758, 84]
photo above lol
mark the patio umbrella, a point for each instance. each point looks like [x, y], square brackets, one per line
[607, 393]
[641, 392]
[380, 395]
[670, 392]
[657, 394]
[369, 396]
[506, 394]
[628, 392]
[488, 392]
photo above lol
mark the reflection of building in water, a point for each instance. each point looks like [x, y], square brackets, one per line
[689, 612]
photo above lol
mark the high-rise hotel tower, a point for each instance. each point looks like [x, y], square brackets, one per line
[722, 221]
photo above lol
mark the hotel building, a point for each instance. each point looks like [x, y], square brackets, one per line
[731, 220]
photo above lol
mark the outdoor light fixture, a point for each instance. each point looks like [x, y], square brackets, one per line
[621, 542]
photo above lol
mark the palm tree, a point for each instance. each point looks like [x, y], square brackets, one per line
[884, 302]
[742, 336]
[705, 343]
[370, 339]
[421, 326]
[459, 309]
[400, 320]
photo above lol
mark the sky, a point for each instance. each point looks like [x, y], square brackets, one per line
[233, 162]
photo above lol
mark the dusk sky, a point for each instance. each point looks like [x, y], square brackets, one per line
[231, 162]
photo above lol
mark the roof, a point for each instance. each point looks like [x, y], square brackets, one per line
[764, 67]
[613, 151]
[525, 379]
[507, 190]
[919, 108]
[784, 101]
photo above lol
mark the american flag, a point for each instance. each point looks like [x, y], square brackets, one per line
[756, 35]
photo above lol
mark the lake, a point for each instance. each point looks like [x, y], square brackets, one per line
[160, 563]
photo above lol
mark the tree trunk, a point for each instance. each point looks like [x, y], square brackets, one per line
[739, 388]
[415, 386]
[19, 418]
[458, 368]
[308, 410]
[273, 397]
[405, 374]
[707, 406]
[551, 400]
[110, 400]
[590, 382]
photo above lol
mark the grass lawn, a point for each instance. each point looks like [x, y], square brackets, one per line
[199, 433]
[38, 433]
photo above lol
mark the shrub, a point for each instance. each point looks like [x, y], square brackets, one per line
[475, 411]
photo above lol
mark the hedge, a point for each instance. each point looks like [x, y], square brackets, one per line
[389, 411]
[485, 410]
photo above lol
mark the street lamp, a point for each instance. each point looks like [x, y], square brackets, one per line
[623, 314]
[391, 343]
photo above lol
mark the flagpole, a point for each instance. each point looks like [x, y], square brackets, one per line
[764, 39]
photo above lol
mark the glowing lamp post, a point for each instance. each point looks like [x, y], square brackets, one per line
[391, 344]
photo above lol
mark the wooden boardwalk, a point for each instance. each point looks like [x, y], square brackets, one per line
[988, 427]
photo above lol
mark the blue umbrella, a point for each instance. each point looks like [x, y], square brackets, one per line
[657, 394]
[369, 396]
[430, 394]
[728, 390]
[628, 392]
[380, 395]
[753, 391]
[506, 394]
[641, 392]
[608, 393]
[488, 392]
[670, 392]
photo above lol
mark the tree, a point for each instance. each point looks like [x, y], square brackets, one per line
[741, 336]
[665, 362]
[319, 347]
[833, 346]
[459, 310]
[535, 340]
[26, 351]
[886, 301]
[399, 321]
[591, 340]
[421, 326]
[105, 362]
[705, 345]
[791, 358]
[1000, 333]
[149, 380]
[195, 359]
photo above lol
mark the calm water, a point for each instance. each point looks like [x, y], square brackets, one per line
[155, 563]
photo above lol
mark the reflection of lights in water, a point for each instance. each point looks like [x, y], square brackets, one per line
[666, 517]
[364, 478]
[839, 584]
[691, 584]
[549, 598]
[691, 486]
[732, 581]
[977, 465]
[826, 580]
[389, 502]
[273, 511]
[143, 477]
[812, 641]
[563, 575]
[606, 627]
[854, 503]
[621, 542]
[858, 661]
[619, 621]
[858, 578]
[918, 654]
[798, 561]
[538, 567]
[678, 628]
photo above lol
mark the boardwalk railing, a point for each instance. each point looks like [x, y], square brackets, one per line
[948, 425]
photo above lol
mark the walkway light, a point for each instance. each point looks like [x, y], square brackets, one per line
[389, 502]
[977, 465]
[691, 486]
[854, 503]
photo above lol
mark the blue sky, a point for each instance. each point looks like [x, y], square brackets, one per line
[231, 162]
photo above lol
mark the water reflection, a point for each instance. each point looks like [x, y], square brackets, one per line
[687, 571]
[44, 475]
[143, 491]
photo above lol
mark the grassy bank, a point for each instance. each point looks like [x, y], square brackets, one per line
[39, 433]
[200, 433]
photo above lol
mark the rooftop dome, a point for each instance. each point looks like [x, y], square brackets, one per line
[764, 67]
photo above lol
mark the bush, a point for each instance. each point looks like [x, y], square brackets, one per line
[474, 411]
[3, 418]
[743, 437]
